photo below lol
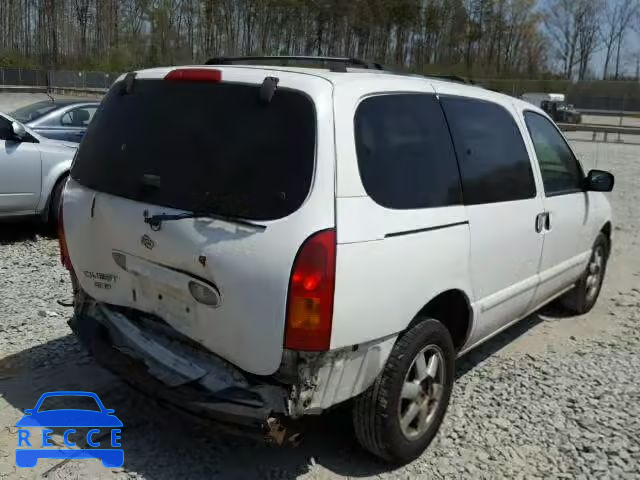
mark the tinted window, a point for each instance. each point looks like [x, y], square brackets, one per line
[405, 154]
[494, 163]
[211, 147]
[6, 132]
[560, 170]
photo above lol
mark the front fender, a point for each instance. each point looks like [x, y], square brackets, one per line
[600, 214]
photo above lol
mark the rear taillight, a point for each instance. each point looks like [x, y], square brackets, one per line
[64, 251]
[194, 75]
[310, 299]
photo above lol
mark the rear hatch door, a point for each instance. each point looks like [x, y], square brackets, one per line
[158, 149]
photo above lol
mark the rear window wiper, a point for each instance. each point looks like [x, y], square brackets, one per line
[155, 221]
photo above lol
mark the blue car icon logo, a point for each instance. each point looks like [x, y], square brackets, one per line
[97, 418]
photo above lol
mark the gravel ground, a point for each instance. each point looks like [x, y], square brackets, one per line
[553, 397]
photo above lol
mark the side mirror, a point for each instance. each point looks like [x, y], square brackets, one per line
[19, 131]
[28, 411]
[599, 181]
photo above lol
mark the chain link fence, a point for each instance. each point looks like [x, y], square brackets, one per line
[611, 96]
[596, 95]
[56, 78]
[23, 77]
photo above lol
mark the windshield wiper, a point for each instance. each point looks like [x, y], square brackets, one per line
[155, 221]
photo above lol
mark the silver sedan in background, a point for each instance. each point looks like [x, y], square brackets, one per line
[58, 119]
[33, 170]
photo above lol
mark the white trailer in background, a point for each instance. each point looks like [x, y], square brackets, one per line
[537, 98]
[555, 105]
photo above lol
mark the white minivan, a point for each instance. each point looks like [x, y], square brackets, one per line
[255, 242]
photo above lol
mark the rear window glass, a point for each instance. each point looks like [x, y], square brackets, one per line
[204, 147]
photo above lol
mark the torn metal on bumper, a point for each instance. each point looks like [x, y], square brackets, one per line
[171, 369]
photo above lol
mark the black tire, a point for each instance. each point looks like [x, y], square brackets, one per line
[54, 204]
[376, 412]
[579, 301]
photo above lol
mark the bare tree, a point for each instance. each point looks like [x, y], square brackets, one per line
[559, 20]
[572, 26]
[587, 24]
[82, 17]
[618, 16]
[485, 37]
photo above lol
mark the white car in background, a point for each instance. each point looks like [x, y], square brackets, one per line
[32, 171]
[257, 243]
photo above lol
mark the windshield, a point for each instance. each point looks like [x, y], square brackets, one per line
[66, 402]
[202, 147]
[33, 112]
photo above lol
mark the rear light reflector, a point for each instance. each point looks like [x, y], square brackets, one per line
[310, 298]
[194, 75]
[204, 294]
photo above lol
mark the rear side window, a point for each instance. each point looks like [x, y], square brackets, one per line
[204, 147]
[405, 155]
[494, 163]
[78, 117]
[560, 170]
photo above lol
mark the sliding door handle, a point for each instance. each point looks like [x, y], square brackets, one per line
[543, 222]
[540, 222]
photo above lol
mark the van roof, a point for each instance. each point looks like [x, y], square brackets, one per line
[338, 78]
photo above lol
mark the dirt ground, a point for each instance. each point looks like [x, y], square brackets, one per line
[39, 354]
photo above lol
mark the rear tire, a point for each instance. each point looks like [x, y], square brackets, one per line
[398, 416]
[54, 205]
[584, 295]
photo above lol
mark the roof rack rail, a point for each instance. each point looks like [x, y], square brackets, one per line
[451, 78]
[335, 64]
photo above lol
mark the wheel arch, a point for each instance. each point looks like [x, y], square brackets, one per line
[453, 309]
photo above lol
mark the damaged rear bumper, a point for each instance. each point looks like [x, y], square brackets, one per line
[154, 358]
[176, 371]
